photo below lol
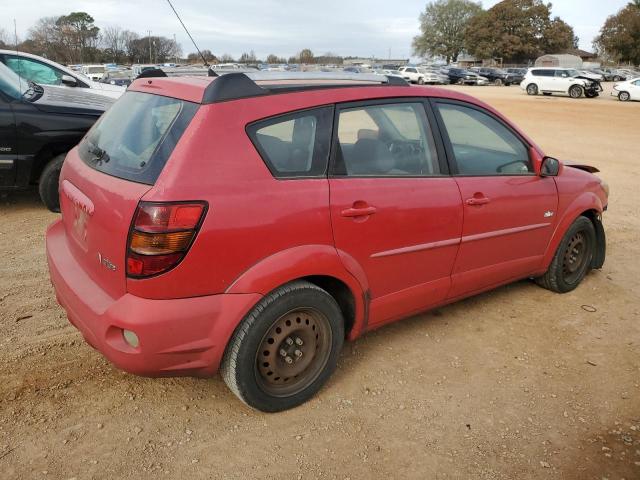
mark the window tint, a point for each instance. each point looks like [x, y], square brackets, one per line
[34, 71]
[385, 140]
[481, 144]
[543, 73]
[561, 73]
[294, 145]
[136, 136]
[637, 82]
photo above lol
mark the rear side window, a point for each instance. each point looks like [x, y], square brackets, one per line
[387, 140]
[296, 144]
[135, 137]
[543, 73]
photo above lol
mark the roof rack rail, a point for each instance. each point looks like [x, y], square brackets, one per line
[233, 86]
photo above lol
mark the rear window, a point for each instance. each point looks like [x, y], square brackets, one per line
[135, 137]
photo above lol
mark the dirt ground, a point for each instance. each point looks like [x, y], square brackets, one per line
[517, 383]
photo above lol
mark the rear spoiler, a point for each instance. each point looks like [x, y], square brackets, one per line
[580, 166]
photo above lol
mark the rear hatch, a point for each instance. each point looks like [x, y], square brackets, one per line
[106, 175]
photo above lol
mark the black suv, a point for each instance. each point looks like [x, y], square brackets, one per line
[38, 126]
[496, 76]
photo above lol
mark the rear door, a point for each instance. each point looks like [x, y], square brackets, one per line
[509, 211]
[103, 179]
[8, 153]
[394, 208]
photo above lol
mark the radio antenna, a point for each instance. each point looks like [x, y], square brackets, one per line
[206, 64]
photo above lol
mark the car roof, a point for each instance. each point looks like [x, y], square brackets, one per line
[57, 65]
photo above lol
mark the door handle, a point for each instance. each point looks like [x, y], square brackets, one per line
[358, 212]
[477, 201]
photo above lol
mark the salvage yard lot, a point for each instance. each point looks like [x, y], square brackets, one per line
[515, 383]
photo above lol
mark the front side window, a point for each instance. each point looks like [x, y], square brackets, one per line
[294, 145]
[34, 71]
[481, 144]
[385, 140]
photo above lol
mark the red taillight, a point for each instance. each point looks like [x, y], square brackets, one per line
[161, 236]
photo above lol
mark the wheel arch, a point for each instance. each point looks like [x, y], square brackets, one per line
[321, 265]
[589, 205]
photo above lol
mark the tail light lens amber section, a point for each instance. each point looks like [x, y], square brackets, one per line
[161, 235]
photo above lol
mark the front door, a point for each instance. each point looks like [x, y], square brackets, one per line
[395, 211]
[509, 211]
[8, 153]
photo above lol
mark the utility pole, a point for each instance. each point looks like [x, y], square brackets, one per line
[175, 50]
[150, 59]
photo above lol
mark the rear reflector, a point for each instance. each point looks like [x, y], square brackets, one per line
[161, 235]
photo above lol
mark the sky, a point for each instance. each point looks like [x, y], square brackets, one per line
[368, 28]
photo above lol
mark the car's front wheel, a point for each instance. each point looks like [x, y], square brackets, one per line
[532, 89]
[624, 96]
[48, 183]
[420, 81]
[575, 91]
[285, 349]
[572, 259]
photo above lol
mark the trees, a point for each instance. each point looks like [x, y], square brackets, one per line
[306, 56]
[196, 58]
[619, 37]
[4, 38]
[518, 30]
[248, 57]
[443, 24]
[78, 34]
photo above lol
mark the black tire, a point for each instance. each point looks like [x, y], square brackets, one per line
[591, 94]
[48, 183]
[575, 91]
[564, 274]
[420, 81]
[532, 89]
[624, 96]
[242, 366]
[497, 82]
[617, 78]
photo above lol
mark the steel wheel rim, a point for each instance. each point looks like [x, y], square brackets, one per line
[575, 256]
[293, 352]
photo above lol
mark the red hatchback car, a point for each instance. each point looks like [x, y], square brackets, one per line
[250, 223]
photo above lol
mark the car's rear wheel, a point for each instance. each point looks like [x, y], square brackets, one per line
[575, 91]
[285, 349]
[48, 183]
[617, 78]
[532, 89]
[624, 96]
[572, 259]
[497, 82]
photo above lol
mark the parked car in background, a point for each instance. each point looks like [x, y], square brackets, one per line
[46, 72]
[387, 72]
[628, 90]
[516, 75]
[479, 79]
[121, 78]
[552, 80]
[156, 260]
[420, 75]
[94, 72]
[462, 76]
[39, 124]
[356, 70]
[607, 76]
[497, 76]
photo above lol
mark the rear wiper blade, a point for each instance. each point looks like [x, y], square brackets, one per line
[100, 155]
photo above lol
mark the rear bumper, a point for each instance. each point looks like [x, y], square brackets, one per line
[185, 336]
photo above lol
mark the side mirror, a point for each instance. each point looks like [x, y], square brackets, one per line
[550, 167]
[69, 81]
